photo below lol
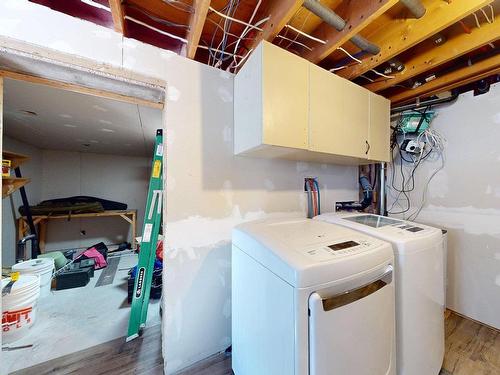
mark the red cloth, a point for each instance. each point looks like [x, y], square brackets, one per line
[92, 253]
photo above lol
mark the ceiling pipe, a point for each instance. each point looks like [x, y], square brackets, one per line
[415, 7]
[334, 20]
[423, 104]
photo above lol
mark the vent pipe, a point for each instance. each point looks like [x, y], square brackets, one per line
[334, 20]
[415, 7]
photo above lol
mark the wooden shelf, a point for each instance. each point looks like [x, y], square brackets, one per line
[16, 159]
[11, 184]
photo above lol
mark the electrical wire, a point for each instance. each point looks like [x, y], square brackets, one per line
[234, 19]
[294, 41]
[367, 78]
[188, 8]
[157, 19]
[173, 36]
[305, 34]
[381, 74]
[486, 16]
[339, 68]
[348, 54]
[218, 51]
[246, 29]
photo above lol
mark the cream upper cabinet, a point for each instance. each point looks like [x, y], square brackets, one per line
[286, 107]
[271, 101]
[336, 125]
[380, 129]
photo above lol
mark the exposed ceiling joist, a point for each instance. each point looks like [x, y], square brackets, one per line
[400, 35]
[357, 16]
[280, 13]
[454, 79]
[454, 47]
[118, 16]
[196, 24]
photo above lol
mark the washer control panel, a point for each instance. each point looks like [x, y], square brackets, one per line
[338, 249]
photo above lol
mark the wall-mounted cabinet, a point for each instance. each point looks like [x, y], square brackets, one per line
[287, 107]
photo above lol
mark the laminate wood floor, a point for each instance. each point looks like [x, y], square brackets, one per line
[471, 349]
[141, 356]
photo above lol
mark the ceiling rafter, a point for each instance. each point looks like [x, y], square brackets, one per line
[118, 15]
[454, 47]
[196, 24]
[456, 78]
[280, 13]
[400, 35]
[357, 14]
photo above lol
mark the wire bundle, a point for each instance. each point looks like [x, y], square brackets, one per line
[311, 187]
[434, 147]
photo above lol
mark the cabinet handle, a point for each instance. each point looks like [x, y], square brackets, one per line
[367, 147]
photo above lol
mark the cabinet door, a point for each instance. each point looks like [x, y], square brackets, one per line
[356, 118]
[335, 127]
[285, 90]
[380, 128]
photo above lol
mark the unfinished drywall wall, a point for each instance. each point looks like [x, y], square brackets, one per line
[32, 169]
[208, 192]
[119, 178]
[208, 189]
[59, 174]
[465, 199]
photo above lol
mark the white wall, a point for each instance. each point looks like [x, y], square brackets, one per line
[31, 169]
[59, 174]
[208, 190]
[119, 178]
[465, 199]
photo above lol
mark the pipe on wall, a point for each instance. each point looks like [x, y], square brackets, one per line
[382, 196]
[334, 20]
[415, 7]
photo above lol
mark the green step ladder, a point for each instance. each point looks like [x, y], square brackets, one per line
[147, 254]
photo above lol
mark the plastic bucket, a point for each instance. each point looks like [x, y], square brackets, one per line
[19, 307]
[43, 267]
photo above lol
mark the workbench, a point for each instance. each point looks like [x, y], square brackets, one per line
[41, 221]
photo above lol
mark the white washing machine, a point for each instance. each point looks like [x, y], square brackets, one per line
[310, 298]
[419, 271]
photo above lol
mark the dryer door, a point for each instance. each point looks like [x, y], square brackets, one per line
[353, 331]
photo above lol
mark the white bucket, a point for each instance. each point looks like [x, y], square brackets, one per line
[19, 307]
[43, 267]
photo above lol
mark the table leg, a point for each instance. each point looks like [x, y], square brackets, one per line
[42, 235]
[134, 230]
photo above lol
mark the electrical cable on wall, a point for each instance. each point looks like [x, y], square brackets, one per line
[428, 145]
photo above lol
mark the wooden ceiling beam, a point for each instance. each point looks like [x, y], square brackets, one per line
[280, 13]
[400, 35]
[459, 77]
[196, 24]
[358, 15]
[454, 47]
[118, 15]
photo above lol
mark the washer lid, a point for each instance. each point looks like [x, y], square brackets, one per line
[306, 252]
[412, 235]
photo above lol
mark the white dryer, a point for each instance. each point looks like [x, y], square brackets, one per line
[311, 298]
[419, 270]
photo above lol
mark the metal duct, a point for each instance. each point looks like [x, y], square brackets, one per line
[334, 20]
[365, 45]
[325, 13]
[415, 7]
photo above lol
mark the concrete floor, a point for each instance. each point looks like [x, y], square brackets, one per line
[75, 319]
